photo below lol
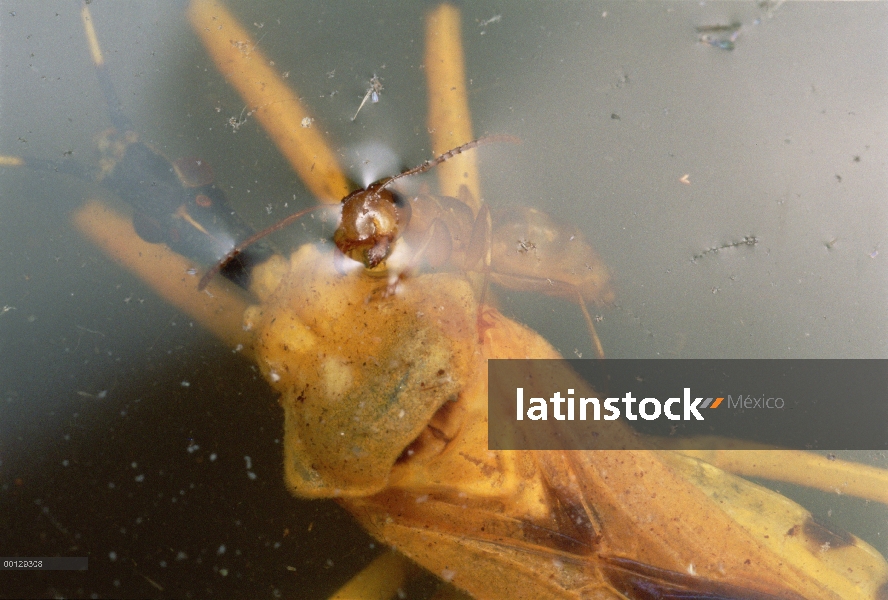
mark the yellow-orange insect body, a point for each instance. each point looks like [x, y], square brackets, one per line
[385, 404]
[384, 394]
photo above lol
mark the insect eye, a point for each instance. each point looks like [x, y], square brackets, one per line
[399, 201]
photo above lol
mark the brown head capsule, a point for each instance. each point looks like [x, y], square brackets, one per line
[372, 219]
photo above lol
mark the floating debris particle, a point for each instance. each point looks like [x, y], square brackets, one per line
[483, 24]
[749, 240]
[493, 19]
[372, 94]
[720, 36]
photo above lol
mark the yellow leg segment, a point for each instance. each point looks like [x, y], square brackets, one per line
[450, 122]
[219, 308]
[380, 580]
[802, 468]
[275, 105]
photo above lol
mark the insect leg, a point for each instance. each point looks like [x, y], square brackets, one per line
[118, 119]
[277, 107]
[50, 166]
[802, 468]
[599, 349]
[379, 580]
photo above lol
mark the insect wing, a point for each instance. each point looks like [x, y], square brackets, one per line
[643, 582]
[687, 517]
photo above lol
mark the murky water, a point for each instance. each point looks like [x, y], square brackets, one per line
[125, 430]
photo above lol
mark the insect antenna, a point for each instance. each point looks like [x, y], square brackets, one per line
[429, 164]
[239, 248]
[374, 189]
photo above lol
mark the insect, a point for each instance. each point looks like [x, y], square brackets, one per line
[454, 515]
[431, 489]
[441, 230]
[373, 219]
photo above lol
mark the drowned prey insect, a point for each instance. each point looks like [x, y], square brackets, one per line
[442, 230]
